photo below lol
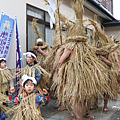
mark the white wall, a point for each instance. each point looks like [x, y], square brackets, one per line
[12, 8]
[112, 30]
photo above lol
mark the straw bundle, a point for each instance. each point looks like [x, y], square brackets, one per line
[5, 77]
[115, 38]
[104, 50]
[7, 110]
[4, 98]
[34, 25]
[46, 2]
[57, 29]
[108, 44]
[56, 45]
[27, 110]
[65, 21]
[99, 34]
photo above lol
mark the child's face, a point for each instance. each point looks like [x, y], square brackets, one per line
[30, 60]
[29, 87]
[3, 65]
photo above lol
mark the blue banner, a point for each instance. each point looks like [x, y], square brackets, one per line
[6, 34]
[1, 18]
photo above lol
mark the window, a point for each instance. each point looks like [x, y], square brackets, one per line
[108, 4]
[43, 24]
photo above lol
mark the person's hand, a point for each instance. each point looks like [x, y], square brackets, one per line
[12, 90]
[39, 50]
[45, 91]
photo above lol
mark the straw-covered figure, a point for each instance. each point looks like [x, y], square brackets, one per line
[6, 82]
[40, 46]
[80, 76]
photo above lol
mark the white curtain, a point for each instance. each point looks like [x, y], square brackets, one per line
[32, 35]
[49, 35]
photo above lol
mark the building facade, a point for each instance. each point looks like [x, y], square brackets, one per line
[26, 10]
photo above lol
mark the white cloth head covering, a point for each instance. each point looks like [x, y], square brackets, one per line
[25, 77]
[30, 54]
[39, 40]
[2, 59]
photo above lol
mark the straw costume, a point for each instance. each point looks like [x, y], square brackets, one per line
[80, 73]
[6, 78]
[35, 70]
[116, 39]
[28, 109]
[108, 47]
[57, 49]
[56, 45]
[44, 47]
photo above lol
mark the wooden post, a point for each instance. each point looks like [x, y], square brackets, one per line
[59, 21]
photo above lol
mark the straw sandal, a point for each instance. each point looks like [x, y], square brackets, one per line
[61, 109]
[89, 116]
[73, 115]
[114, 99]
[105, 110]
[93, 107]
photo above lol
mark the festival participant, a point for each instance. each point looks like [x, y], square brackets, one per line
[40, 46]
[40, 43]
[6, 82]
[53, 55]
[29, 84]
[105, 46]
[113, 82]
[33, 69]
[80, 76]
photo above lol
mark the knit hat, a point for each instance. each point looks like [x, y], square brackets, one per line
[25, 78]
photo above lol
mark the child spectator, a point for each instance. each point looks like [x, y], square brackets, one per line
[33, 69]
[29, 85]
[6, 81]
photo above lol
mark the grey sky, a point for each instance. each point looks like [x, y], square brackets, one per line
[116, 9]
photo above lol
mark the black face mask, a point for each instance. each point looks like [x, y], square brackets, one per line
[40, 44]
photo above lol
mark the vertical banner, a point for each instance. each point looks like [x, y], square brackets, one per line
[1, 18]
[19, 62]
[6, 34]
[51, 11]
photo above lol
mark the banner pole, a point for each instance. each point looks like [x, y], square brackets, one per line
[19, 42]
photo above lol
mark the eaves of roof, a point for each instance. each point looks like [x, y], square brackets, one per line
[111, 24]
[100, 8]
